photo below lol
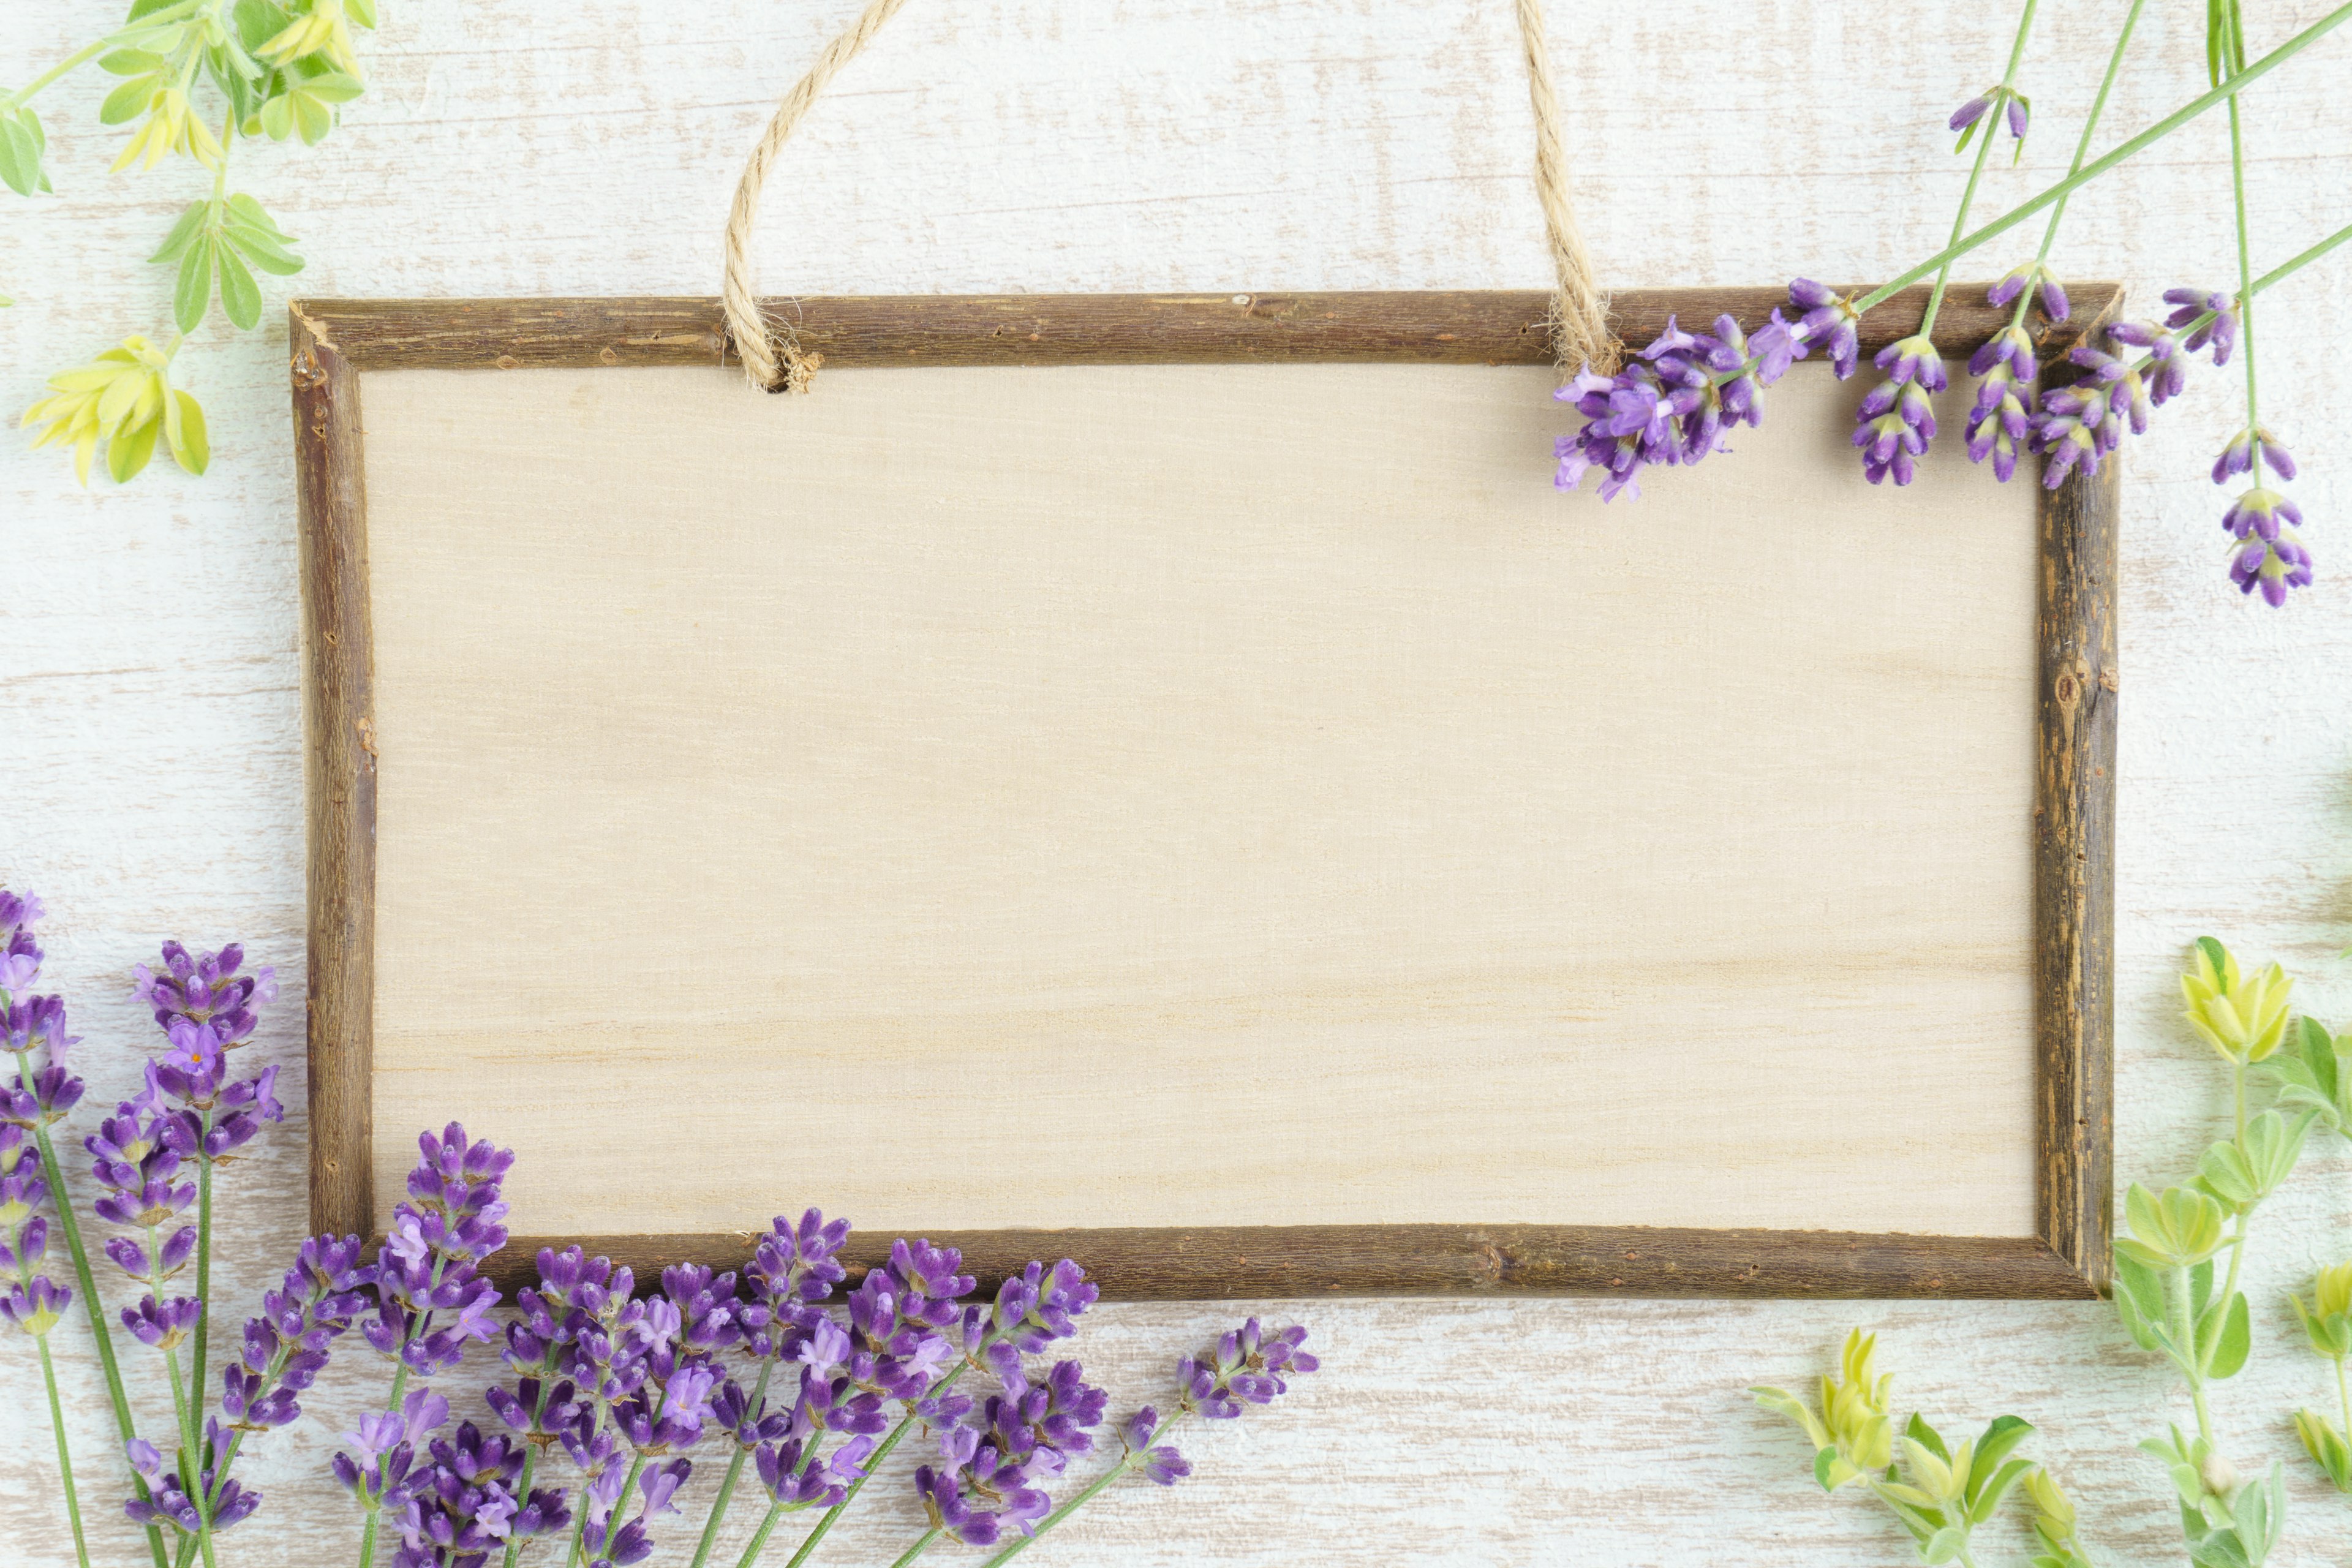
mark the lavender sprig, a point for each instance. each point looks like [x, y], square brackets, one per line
[32, 1301]
[998, 1458]
[431, 1301]
[792, 1273]
[1246, 1367]
[207, 1007]
[35, 1101]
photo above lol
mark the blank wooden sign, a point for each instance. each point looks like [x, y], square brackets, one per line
[1171, 773]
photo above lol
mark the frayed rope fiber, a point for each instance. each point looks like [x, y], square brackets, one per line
[773, 362]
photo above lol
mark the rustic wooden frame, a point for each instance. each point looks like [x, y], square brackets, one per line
[334, 342]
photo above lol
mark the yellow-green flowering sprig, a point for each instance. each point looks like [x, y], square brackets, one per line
[123, 400]
[196, 77]
[2328, 1323]
[2053, 1524]
[1853, 1434]
[1939, 1493]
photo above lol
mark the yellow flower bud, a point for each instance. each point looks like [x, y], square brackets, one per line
[2055, 1507]
[2335, 1291]
[2242, 1016]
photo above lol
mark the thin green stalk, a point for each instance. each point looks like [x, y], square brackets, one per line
[529, 1457]
[391, 1402]
[1989, 123]
[1059, 1514]
[719, 1504]
[112, 41]
[2344, 1394]
[54, 1175]
[192, 1456]
[2284, 271]
[759, 1541]
[2083, 144]
[874, 1460]
[65, 1458]
[2106, 160]
[203, 1264]
[2245, 271]
[612, 1522]
[922, 1544]
[2184, 1335]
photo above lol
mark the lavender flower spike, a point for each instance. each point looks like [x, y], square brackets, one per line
[2269, 555]
[2221, 333]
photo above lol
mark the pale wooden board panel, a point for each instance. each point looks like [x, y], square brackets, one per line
[150, 680]
[1258, 767]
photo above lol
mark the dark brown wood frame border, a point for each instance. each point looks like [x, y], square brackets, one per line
[335, 342]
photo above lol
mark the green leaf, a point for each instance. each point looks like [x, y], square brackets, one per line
[183, 233]
[2003, 1480]
[265, 251]
[133, 63]
[2000, 1438]
[184, 425]
[2327, 1447]
[1919, 1432]
[278, 118]
[128, 452]
[2228, 1354]
[360, 11]
[1944, 1546]
[2220, 1550]
[22, 145]
[191, 294]
[127, 102]
[2180, 1229]
[258, 21]
[240, 293]
[2139, 1302]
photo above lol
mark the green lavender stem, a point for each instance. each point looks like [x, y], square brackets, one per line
[191, 1456]
[2083, 145]
[759, 1541]
[2100, 166]
[2236, 34]
[719, 1504]
[874, 1461]
[922, 1544]
[1989, 125]
[530, 1459]
[54, 1175]
[204, 1269]
[1067, 1509]
[65, 1456]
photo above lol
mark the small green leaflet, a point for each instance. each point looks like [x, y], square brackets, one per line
[23, 145]
[224, 241]
[305, 106]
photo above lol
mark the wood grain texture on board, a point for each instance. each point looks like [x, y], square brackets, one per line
[1256, 764]
[153, 771]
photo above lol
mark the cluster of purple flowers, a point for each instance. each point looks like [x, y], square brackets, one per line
[431, 1299]
[285, 1348]
[32, 1028]
[1675, 402]
[28, 1299]
[167, 1500]
[996, 1453]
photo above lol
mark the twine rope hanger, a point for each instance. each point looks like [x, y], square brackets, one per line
[770, 349]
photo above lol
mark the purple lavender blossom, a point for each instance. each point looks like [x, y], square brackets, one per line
[163, 1324]
[286, 1347]
[796, 1476]
[1680, 397]
[1896, 418]
[2269, 556]
[2032, 275]
[20, 956]
[2191, 306]
[994, 1460]
[431, 1299]
[2249, 451]
[457, 1511]
[1161, 1464]
[33, 1026]
[1245, 1368]
[31, 1301]
[168, 1501]
[385, 1447]
[2015, 109]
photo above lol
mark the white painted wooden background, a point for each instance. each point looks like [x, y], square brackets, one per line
[150, 777]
